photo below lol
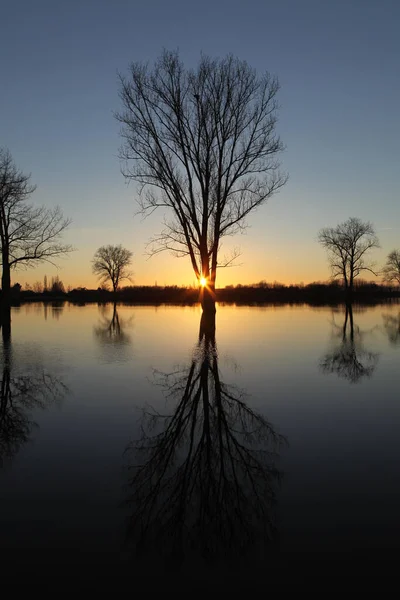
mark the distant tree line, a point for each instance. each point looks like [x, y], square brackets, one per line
[258, 293]
[56, 286]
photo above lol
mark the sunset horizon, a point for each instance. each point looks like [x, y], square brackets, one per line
[200, 288]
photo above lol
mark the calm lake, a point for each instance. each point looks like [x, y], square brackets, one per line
[134, 435]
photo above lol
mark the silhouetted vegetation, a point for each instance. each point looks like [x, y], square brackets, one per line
[391, 270]
[57, 286]
[28, 234]
[110, 263]
[348, 245]
[202, 143]
[313, 293]
[260, 293]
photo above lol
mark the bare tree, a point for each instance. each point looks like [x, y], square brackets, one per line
[28, 234]
[111, 263]
[201, 143]
[391, 270]
[348, 245]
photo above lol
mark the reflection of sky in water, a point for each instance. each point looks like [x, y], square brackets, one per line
[340, 484]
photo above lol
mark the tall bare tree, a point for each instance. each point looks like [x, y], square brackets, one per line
[348, 245]
[201, 143]
[28, 234]
[391, 270]
[110, 263]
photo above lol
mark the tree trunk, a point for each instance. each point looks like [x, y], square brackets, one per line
[5, 281]
[207, 298]
[207, 293]
[349, 295]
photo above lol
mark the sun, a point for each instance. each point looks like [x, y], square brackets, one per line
[203, 281]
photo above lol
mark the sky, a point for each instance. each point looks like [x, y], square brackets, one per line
[338, 64]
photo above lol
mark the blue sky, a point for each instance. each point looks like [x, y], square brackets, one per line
[338, 65]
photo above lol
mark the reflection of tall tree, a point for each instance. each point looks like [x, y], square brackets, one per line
[5, 321]
[349, 359]
[111, 331]
[392, 327]
[57, 308]
[20, 394]
[205, 475]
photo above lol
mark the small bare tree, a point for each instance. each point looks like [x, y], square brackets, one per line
[391, 270]
[348, 245]
[37, 287]
[28, 234]
[201, 143]
[110, 263]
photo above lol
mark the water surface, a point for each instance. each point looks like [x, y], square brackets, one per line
[136, 435]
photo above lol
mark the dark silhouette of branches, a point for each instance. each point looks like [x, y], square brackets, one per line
[201, 143]
[110, 263]
[391, 270]
[204, 476]
[392, 327]
[111, 331]
[20, 394]
[349, 359]
[348, 245]
[28, 234]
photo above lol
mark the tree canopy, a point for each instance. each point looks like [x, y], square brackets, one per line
[348, 245]
[391, 270]
[28, 234]
[110, 263]
[201, 143]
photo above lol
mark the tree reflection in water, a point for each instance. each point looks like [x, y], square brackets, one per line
[348, 358]
[111, 331]
[20, 394]
[205, 475]
[392, 328]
